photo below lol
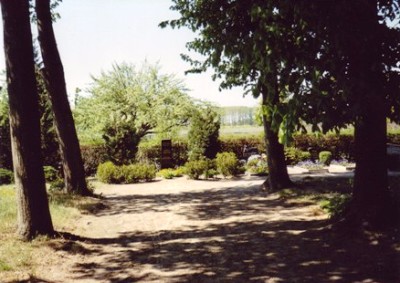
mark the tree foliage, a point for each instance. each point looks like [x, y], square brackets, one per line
[129, 103]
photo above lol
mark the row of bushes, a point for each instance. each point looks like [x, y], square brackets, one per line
[226, 164]
[304, 147]
[126, 174]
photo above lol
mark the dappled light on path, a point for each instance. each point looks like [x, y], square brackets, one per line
[226, 231]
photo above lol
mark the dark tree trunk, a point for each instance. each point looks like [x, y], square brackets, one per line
[278, 177]
[74, 173]
[371, 201]
[32, 203]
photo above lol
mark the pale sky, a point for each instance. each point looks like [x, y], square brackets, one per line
[94, 34]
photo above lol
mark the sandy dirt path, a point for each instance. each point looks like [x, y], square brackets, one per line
[212, 231]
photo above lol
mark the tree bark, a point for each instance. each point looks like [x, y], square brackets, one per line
[371, 198]
[74, 174]
[32, 203]
[278, 177]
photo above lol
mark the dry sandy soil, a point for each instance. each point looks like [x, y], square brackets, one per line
[214, 231]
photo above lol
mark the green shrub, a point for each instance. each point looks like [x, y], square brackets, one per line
[325, 157]
[195, 168]
[125, 174]
[227, 164]
[6, 177]
[50, 173]
[107, 172]
[147, 172]
[336, 204]
[167, 173]
[170, 173]
[294, 155]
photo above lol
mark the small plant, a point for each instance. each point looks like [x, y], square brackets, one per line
[325, 157]
[336, 204]
[6, 177]
[50, 173]
[228, 164]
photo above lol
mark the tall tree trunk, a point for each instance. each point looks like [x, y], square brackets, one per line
[32, 203]
[278, 177]
[371, 199]
[74, 173]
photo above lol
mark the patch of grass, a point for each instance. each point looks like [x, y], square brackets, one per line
[17, 257]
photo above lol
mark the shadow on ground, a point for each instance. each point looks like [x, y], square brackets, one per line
[235, 244]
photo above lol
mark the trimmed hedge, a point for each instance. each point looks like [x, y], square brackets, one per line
[304, 146]
[110, 173]
[92, 157]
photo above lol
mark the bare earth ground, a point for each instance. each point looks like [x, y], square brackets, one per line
[213, 231]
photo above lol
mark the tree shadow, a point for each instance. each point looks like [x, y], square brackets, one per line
[235, 239]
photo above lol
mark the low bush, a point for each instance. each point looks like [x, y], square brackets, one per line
[50, 173]
[170, 173]
[325, 157]
[228, 164]
[195, 168]
[167, 173]
[125, 174]
[6, 177]
[294, 155]
[107, 172]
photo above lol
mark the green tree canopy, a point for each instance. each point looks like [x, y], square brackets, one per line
[135, 100]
